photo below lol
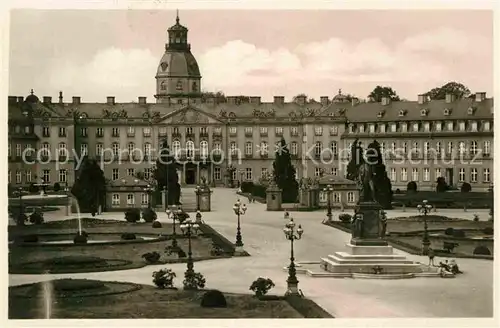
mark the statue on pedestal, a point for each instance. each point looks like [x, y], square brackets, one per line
[357, 226]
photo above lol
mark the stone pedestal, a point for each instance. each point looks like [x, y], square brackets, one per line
[303, 196]
[273, 198]
[203, 198]
[164, 199]
[366, 227]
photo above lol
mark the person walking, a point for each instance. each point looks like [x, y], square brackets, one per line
[431, 255]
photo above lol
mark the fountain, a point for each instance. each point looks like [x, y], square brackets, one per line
[47, 297]
[81, 237]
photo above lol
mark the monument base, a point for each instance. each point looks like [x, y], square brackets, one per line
[368, 242]
[376, 259]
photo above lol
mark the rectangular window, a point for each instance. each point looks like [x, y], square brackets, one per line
[115, 174]
[232, 130]
[248, 131]
[46, 132]
[217, 173]
[146, 132]
[394, 127]
[99, 132]
[248, 148]
[461, 126]
[350, 197]
[116, 199]
[404, 174]
[415, 127]
[449, 126]
[486, 126]
[218, 131]
[486, 175]
[427, 174]
[147, 174]
[294, 148]
[279, 131]
[473, 174]
[19, 150]
[361, 128]
[234, 175]
[414, 174]
[294, 131]
[130, 199]
[317, 171]
[404, 127]
[163, 131]
[438, 126]
[427, 126]
[62, 131]
[248, 173]
[46, 176]
[115, 132]
[336, 197]
[83, 132]
[473, 126]
[28, 176]
[372, 128]
[84, 151]
[264, 172]
[318, 130]
[263, 130]
[19, 177]
[131, 172]
[232, 147]
[487, 148]
[393, 174]
[438, 173]
[382, 128]
[98, 149]
[63, 175]
[461, 175]
[334, 171]
[144, 199]
[131, 131]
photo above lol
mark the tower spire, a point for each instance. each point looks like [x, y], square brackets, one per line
[177, 17]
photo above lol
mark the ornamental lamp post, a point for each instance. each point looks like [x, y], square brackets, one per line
[328, 190]
[189, 228]
[291, 234]
[172, 214]
[239, 209]
[425, 208]
[66, 191]
[197, 191]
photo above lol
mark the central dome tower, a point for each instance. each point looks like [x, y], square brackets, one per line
[178, 77]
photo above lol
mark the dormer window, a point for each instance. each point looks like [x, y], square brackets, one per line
[447, 112]
[424, 112]
[402, 112]
[381, 114]
[471, 110]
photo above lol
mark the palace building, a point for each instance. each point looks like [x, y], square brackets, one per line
[421, 140]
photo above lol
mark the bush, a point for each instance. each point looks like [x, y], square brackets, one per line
[345, 217]
[411, 186]
[57, 187]
[488, 231]
[213, 299]
[132, 215]
[29, 239]
[149, 215]
[20, 218]
[156, 224]
[80, 239]
[481, 250]
[459, 233]
[193, 280]
[476, 218]
[466, 187]
[33, 189]
[247, 186]
[449, 231]
[128, 236]
[441, 185]
[68, 284]
[36, 217]
[259, 191]
[164, 278]
[152, 257]
[261, 286]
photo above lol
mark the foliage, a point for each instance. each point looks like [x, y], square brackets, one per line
[148, 214]
[449, 247]
[284, 174]
[259, 191]
[247, 186]
[379, 92]
[218, 96]
[261, 286]
[481, 250]
[20, 218]
[29, 239]
[57, 186]
[132, 215]
[345, 217]
[441, 185]
[128, 236]
[466, 187]
[193, 280]
[213, 299]
[164, 278]
[165, 174]
[36, 217]
[90, 186]
[411, 186]
[80, 239]
[457, 89]
[382, 183]
[488, 231]
[32, 189]
[151, 257]
[156, 224]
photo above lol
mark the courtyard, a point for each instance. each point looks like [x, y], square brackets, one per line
[468, 295]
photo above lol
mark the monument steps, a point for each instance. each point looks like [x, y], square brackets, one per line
[375, 259]
[369, 268]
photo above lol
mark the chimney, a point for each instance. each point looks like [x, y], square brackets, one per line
[422, 99]
[480, 96]
[231, 100]
[324, 100]
[142, 100]
[301, 100]
[255, 100]
[110, 100]
[450, 97]
[47, 100]
[76, 100]
[385, 101]
[279, 100]
[12, 99]
[60, 97]
[20, 99]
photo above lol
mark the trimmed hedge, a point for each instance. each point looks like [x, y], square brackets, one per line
[446, 199]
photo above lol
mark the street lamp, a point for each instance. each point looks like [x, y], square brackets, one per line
[189, 228]
[197, 192]
[425, 208]
[239, 209]
[291, 234]
[149, 189]
[172, 213]
[328, 190]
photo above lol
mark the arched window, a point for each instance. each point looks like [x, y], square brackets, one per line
[116, 148]
[264, 148]
[45, 149]
[204, 148]
[176, 147]
[178, 87]
[62, 150]
[294, 148]
[147, 149]
[190, 148]
[131, 147]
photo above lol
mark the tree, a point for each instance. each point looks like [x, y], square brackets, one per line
[90, 186]
[457, 89]
[284, 173]
[382, 183]
[218, 96]
[441, 185]
[466, 187]
[355, 161]
[165, 174]
[379, 92]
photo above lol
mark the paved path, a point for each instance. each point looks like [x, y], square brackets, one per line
[468, 295]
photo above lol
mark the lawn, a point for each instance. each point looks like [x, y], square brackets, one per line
[152, 303]
[132, 251]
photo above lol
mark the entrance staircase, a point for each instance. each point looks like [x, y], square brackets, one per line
[188, 199]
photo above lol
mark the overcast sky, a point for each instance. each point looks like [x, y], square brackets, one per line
[94, 54]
